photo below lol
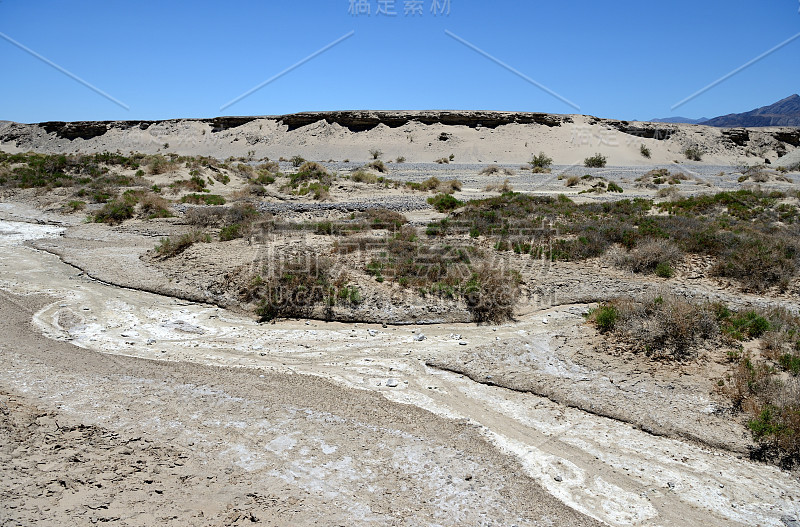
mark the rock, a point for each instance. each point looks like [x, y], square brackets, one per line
[372, 332]
[392, 383]
[462, 343]
[558, 478]
[790, 521]
[419, 338]
[150, 342]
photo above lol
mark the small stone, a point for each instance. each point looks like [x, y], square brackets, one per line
[790, 521]
[671, 485]
[468, 477]
[558, 478]
[419, 338]
[392, 383]
[150, 342]
[462, 343]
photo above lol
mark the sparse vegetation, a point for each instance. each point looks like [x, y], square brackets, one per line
[175, 245]
[645, 151]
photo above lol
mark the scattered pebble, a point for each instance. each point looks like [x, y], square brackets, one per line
[392, 383]
[419, 338]
[558, 478]
[462, 343]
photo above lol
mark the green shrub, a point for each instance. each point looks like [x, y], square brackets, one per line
[605, 317]
[664, 270]
[541, 161]
[203, 199]
[444, 202]
[231, 232]
[297, 161]
[115, 212]
[375, 153]
[644, 151]
[613, 187]
[76, 205]
[596, 161]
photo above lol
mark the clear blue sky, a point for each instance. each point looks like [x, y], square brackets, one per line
[628, 59]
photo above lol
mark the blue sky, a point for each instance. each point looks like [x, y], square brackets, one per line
[625, 59]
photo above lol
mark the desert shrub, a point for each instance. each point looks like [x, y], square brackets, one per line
[375, 153]
[297, 161]
[662, 326]
[154, 206]
[668, 192]
[310, 171]
[174, 245]
[664, 270]
[491, 294]
[231, 232]
[613, 187]
[693, 153]
[295, 287]
[444, 202]
[596, 161]
[648, 255]
[205, 216]
[758, 262]
[400, 159]
[361, 176]
[605, 317]
[492, 170]
[115, 212]
[644, 151]
[158, 164]
[377, 165]
[384, 219]
[203, 199]
[572, 181]
[541, 161]
[75, 205]
[503, 187]
[443, 160]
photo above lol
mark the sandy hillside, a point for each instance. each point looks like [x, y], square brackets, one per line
[423, 137]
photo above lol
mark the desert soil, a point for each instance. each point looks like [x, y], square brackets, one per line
[305, 421]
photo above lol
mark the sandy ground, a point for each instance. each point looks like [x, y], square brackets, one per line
[279, 429]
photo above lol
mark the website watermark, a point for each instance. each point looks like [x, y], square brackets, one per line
[395, 8]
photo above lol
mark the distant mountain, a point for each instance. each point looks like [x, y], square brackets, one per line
[785, 112]
[686, 120]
